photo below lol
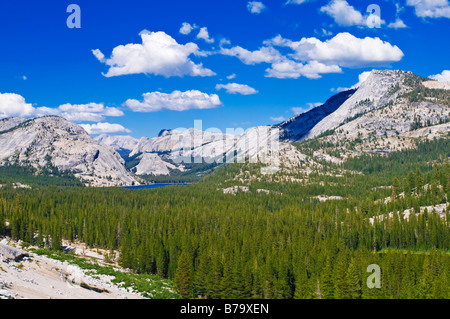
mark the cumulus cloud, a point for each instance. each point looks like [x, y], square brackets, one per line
[235, 88]
[311, 57]
[264, 54]
[14, 105]
[175, 101]
[443, 77]
[430, 8]
[344, 50]
[398, 24]
[343, 13]
[231, 76]
[255, 7]
[204, 35]
[159, 54]
[99, 55]
[91, 112]
[289, 69]
[346, 15]
[104, 128]
[361, 78]
[186, 28]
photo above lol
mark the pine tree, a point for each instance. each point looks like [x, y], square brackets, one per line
[302, 286]
[353, 281]
[214, 277]
[182, 279]
[327, 280]
[341, 289]
[226, 287]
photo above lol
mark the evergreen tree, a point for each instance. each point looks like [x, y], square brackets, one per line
[327, 280]
[341, 289]
[182, 279]
[353, 281]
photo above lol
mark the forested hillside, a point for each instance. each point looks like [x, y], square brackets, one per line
[283, 242]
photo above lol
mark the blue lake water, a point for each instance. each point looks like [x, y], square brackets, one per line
[151, 186]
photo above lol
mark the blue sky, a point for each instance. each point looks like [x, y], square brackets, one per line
[243, 63]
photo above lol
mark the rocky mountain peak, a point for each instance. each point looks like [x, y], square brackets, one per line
[67, 146]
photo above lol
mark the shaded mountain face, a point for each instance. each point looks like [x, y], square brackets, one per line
[57, 142]
[295, 128]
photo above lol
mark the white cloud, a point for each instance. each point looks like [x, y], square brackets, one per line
[361, 78]
[255, 7]
[289, 69]
[91, 112]
[311, 57]
[175, 101]
[159, 54]
[231, 76]
[398, 24]
[346, 15]
[277, 119]
[443, 77]
[99, 55]
[265, 54]
[235, 88]
[430, 8]
[343, 13]
[14, 105]
[186, 28]
[344, 50]
[104, 128]
[224, 41]
[203, 34]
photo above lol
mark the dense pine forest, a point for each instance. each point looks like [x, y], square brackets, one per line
[282, 244]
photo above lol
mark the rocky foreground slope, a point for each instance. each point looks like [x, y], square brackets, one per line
[25, 275]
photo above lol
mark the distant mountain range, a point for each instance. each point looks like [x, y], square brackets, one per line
[385, 113]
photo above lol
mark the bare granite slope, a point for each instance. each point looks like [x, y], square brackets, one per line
[66, 146]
